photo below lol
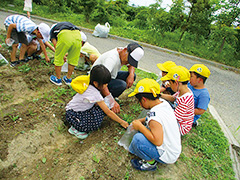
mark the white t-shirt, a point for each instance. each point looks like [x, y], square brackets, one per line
[85, 101]
[171, 148]
[111, 61]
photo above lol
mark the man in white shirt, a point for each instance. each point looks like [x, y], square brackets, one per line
[113, 60]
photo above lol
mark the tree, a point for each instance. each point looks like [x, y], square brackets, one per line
[88, 7]
[176, 15]
[229, 14]
[199, 18]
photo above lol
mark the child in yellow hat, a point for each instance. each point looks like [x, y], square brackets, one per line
[85, 112]
[178, 77]
[199, 74]
[165, 67]
[160, 139]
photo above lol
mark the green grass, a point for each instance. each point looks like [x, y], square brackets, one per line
[211, 151]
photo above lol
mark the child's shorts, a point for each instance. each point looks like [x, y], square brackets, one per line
[18, 37]
[69, 41]
[86, 121]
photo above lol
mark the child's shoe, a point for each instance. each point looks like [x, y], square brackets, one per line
[72, 130]
[14, 63]
[28, 58]
[78, 134]
[195, 124]
[55, 80]
[143, 165]
[35, 56]
[67, 81]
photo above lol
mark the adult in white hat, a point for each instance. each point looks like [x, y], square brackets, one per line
[67, 40]
[113, 60]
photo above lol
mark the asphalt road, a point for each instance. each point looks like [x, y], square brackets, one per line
[223, 85]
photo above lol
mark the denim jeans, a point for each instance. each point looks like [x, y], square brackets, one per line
[118, 85]
[143, 148]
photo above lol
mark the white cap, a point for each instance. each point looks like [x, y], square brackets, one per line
[44, 30]
[135, 53]
[84, 37]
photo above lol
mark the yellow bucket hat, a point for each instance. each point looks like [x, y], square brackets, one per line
[200, 69]
[177, 73]
[166, 66]
[146, 86]
[80, 83]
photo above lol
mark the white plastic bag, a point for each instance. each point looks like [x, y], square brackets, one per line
[65, 67]
[126, 139]
[101, 30]
[9, 41]
[109, 100]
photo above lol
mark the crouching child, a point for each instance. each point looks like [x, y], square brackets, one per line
[158, 138]
[85, 112]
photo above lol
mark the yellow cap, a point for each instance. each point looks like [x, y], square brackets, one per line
[166, 66]
[146, 86]
[80, 83]
[177, 73]
[200, 69]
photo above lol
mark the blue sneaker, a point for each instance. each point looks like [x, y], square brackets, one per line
[143, 165]
[55, 80]
[67, 81]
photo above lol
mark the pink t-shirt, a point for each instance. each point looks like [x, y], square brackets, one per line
[85, 101]
[184, 112]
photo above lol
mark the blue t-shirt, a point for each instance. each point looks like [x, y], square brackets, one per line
[201, 99]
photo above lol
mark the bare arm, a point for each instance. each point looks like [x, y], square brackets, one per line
[50, 46]
[130, 78]
[10, 28]
[198, 111]
[44, 50]
[54, 41]
[111, 114]
[154, 135]
[168, 97]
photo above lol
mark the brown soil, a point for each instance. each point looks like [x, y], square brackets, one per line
[35, 144]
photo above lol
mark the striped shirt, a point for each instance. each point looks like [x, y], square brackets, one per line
[184, 112]
[23, 24]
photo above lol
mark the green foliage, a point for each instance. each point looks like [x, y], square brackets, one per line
[56, 6]
[203, 32]
[24, 68]
[14, 118]
[212, 149]
[95, 158]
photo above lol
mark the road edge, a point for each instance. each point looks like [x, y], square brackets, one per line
[232, 141]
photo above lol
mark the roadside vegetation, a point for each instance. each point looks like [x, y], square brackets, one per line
[206, 29]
